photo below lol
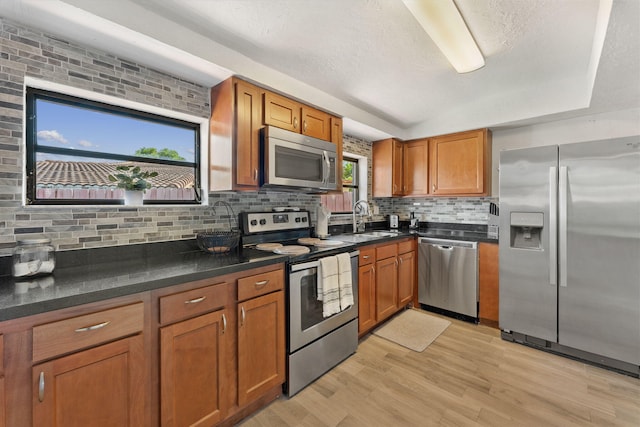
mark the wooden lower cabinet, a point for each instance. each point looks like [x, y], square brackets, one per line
[192, 370]
[2, 401]
[102, 386]
[386, 288]
[386, 282]
[488, 283]
[261, 345]
[366, 298]
[406, 277]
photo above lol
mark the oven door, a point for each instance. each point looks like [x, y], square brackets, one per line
[306, 323]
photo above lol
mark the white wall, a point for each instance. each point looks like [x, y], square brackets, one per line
[587, 128]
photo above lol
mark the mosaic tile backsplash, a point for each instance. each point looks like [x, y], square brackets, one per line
[29, 52]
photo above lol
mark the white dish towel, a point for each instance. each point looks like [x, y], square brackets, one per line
[344, 280]
[329, 286]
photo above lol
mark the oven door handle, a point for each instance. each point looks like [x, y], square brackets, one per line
[314, 264]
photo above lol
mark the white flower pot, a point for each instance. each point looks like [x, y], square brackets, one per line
[133, 198]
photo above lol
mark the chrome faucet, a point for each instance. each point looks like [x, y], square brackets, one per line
[359, 224]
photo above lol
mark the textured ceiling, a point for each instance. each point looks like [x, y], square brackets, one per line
[370, 61]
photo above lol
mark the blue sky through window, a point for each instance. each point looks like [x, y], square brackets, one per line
[71, 127]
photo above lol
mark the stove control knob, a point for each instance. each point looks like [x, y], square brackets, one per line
[304, 219]
[254, 222]
[263, 221]
[297, 219]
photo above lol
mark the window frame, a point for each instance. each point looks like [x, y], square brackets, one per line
[356, 178]
[35, 90]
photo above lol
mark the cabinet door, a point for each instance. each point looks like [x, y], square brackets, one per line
[102, 386]
[281, 112]
[416, 165]
[397, 183]
[261, 346]
[2, 401]
[488, 283]
[366, 298]
[336, 138]
[316, 123]
[459, 164]
[192, 371]
[387, 163]
[247, 134]
[386, 288]
[406, 277]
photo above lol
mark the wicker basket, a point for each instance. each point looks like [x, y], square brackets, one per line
[218, 242]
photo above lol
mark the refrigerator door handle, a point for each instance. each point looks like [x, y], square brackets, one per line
[553, 226]
[562, 226]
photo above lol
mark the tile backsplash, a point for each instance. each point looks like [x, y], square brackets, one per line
[29, 52]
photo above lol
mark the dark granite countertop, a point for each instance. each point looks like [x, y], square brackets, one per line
[92, 275]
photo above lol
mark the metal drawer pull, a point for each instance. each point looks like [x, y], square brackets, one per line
[365, 257]
[261, 283]
[295, 123]
[224, 323]
[242, 316]
[94, 327]
[41, 387]
[195, 300]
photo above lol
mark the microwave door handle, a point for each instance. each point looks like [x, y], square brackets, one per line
[326, 168]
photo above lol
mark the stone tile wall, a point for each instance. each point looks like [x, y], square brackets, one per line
[29, 52]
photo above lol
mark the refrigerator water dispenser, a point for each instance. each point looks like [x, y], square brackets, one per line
[526, 230]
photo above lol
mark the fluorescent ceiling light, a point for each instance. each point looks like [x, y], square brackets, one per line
[444, 24]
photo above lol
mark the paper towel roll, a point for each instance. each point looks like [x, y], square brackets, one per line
[322, 224]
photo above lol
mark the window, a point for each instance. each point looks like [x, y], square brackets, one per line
[75, 144]
[354, 185]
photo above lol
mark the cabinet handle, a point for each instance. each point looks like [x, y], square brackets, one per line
[242, 316]
[224, 323]
[93, 327]
[295, 123]
[304, 125]
[255, 175]
[401, 260]
[433, 187]
[261, 283]
[195, 300]
[41, 387]
[373, 270]
[365, 257]
[396, 262]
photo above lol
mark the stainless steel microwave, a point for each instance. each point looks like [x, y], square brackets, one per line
[292, 161]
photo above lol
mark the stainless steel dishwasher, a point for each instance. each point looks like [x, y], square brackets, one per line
[448, 276]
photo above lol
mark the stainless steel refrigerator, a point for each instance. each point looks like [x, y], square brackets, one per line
[570, 250]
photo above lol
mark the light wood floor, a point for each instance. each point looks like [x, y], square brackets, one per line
[467, 377]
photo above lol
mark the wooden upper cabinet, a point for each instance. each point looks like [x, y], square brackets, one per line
[336, 138]
[281, 112]
[316, 123]
[416, 168]
[234, 147]
[460, 163]
[247, 140]
[388, 163]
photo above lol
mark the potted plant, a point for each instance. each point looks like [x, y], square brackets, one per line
[134, 182]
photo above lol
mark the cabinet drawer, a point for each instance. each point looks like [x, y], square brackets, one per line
[406, 246]
[260, 284]
[65, 336]
[386, 251]
[192, 303]
[367, 256]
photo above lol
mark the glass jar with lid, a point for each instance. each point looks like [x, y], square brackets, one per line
[33, 257]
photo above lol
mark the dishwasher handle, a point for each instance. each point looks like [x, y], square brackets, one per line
[447, 244]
